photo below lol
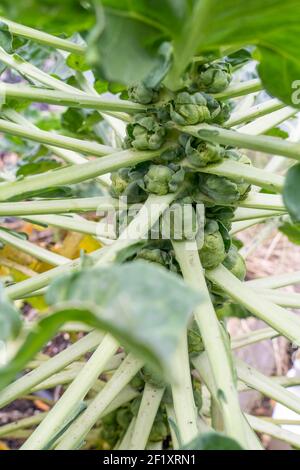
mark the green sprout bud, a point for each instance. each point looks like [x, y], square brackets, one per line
[223, 214]
[162, 179]
[235, 263]
[119, 181]
[152, 377]
[159, 431]
[242, 185]
[201, 154]
[153, 255]
[124, 417]
[195, 344]
[140, 93]
[219, 189]
[137, 382]
[213, 251]
[190, 109]
[213, 78]
[145, 133]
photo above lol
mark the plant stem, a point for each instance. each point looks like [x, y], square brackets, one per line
[43, 38]
[253, 337]
[31, 249]
[254, 112]
[239, 89]
[182, 392]
[244, 225]
[48, 368]
[68, 156]
[188, 258]
[60, 206]
[34, 73]
[265, 123]
[271, 202]
[74, 174]
[75, 393]
[284, 299]
[127, 436]
[245, 214]
[250, 174]
[74, 100]
[79, 428]
[73, 223]
[151, 399]
[258, 381]
[265, 144]
[264, 427]
[61, 141]
[22, 424]
[202, 365]
[274, 282]
[278, 318]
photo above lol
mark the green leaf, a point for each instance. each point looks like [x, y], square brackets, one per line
[292, 231]
[145, 307]
[6, 40]
[10, 318]
[277, 132]
[77, 63]
[212, 441]
[291, 192]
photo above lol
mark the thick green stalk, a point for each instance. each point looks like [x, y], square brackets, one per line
[265, 144]
[21, 424]
[239, 89]
[68, 156]
[39, 281]
[73, 223]
[213, 339]
[183, 395]
[75, 393]
[74, 100]
[60, 206]
[151, 400]
[253, 337]
[74, 174]
[31, 249]
[61, 141]
[76, 433]
[34, 73]
[287, 323]
[245, 214]
[124, 443]
[271, 202]
[284, 299]
[250, 174]
[43, 38]
[265, 123]
[49, 368]
[258, 381]
[274, 282]
[264, 427]
[245, 224]
[202, 365]
[254, 112]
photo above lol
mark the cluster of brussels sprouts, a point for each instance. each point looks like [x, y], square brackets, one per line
[180, 169]
[180, 163]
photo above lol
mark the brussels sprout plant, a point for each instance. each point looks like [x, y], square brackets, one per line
[144, 113]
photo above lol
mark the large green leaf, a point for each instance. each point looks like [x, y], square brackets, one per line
[291, 192]
[213, 441]
[144, 306]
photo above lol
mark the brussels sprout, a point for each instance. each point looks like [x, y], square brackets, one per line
[124, 417]
[154, 256]
[223, 114]
[110, 434]
[137, 382]
[173, 154]
[119, 181]
[152, 377]
[162, 179]
[179, 222]
[213, 251]
[242, 185]
[200, 153]
[159, 431]
[212, 78]
[223, 214]
[195, 344]
[145, 133]
[135, 405]
[235, 263]
[219, 189]
[140, 93]
[189, 109]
